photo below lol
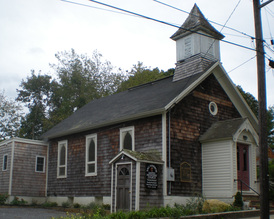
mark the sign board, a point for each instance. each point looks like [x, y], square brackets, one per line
[151, 176]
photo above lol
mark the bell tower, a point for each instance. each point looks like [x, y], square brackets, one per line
[197, 36]
[197, 44]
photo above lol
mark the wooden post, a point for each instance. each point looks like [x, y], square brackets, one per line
[264, 183]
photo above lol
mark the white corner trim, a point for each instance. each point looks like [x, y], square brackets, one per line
[164, 152]
[11, 166]
[137, 187]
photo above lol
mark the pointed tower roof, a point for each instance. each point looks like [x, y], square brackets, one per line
[196, 22]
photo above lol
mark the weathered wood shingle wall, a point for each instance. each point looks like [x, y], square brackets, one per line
[25, 180]
[147, 138]
[189, 120]
[5, 175]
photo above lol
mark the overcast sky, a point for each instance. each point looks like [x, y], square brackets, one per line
[33, 31]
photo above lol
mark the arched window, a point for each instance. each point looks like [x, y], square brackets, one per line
[91, 155]
[128, 141]
[127, 138]
[62, 159]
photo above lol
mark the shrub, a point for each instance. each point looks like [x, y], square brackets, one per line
[65, 204]
[214, 206]
[76, 205]
[17, 201]
[49, 204]
[238, 202]
[3, 198]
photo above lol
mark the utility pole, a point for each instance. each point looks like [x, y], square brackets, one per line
[264, 181]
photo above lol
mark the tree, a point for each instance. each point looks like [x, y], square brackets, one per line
[140, 74]
[80, 80]
[253, 104]
[36, 93]
[10, 117]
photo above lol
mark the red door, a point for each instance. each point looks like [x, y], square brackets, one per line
[243, 166]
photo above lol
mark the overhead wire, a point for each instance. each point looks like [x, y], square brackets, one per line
[213, 22]
[242, 64]
[159, 21]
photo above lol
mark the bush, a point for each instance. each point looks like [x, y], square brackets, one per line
[3, 198]
[76, 205]
[49, 204]
[238, 202]
[65, 204]
[214, 206]
[17, 201]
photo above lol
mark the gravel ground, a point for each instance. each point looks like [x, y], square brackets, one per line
[29, 213]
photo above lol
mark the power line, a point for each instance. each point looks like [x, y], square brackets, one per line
[163, 22]
[207, 19]
[241, 64]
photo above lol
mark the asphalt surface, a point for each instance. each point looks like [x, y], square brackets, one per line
[29, 213]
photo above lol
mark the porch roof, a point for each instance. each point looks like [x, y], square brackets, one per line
[223, 130]
[143, 157]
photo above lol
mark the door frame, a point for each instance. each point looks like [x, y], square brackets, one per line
[248, 163]
[130, 184]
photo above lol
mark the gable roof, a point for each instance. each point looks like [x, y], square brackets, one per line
[143, 157]
[149, 99]
[194, 23]
[228, 129]
[137, 102]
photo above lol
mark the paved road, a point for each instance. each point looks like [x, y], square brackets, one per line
[29, 213]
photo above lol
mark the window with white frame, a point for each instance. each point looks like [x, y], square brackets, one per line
[91, 155]
[40, 164]
[5, 162]
[127, 138]
[62, 159]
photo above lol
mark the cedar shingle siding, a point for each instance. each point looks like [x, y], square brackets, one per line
[190, 119]
[147, 138]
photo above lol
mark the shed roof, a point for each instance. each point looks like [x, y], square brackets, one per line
[194, 23]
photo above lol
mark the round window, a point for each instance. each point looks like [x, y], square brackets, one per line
[213, 108]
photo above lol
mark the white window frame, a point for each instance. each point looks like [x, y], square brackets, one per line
[60, 143]
[123, 131]
[88, 138]
[37, 171]
[5, 169]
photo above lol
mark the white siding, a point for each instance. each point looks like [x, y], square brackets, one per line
[217, 169]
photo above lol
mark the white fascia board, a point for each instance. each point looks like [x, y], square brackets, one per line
[235, 96]
[24, 140]
[191, 87]
[246, 126]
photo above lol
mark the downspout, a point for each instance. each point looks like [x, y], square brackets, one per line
[11, 166]
[169, 153]
[47, 173]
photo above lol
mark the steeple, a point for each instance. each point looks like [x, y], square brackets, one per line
[197, 41]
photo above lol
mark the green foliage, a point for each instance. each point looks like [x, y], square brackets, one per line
[238, 201]
[16, 201]
[66, 204]
[49, 204]
[140, 74]
[35, 92]
[254, 106]
[10, 117]
[79, 79]
[76, 205]
[3, 198]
